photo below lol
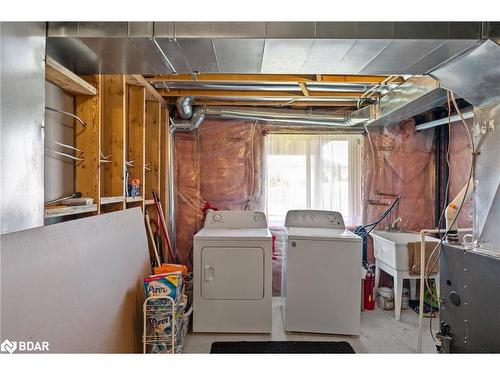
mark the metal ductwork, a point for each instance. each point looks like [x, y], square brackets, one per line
[184, 106]
[261, 47]
[417, 95]
[269, 115]
[191, 124]
[475, 76]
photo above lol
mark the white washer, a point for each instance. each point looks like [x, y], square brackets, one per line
[321, 279]
[232, 285]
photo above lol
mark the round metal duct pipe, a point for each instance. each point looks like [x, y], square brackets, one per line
[184, 106]
[298, 117]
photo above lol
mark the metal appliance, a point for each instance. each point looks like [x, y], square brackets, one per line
[470, 300]
[232, 286]
[321, 279]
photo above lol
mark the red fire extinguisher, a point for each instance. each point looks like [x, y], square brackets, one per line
[369, 285]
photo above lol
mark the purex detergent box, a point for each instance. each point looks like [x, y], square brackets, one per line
[168, 284]
[158, 311]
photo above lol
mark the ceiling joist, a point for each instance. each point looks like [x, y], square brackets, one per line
[247, 93]
[270, 78]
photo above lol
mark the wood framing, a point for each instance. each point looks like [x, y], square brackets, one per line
[136, 126]
[304, 89]
[113, 138]
[66, 79]
[87, 138]
[260, 94]
[138, 80]
[234, 78]
[152, 158]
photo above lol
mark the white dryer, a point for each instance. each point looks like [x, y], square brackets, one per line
[232, 273]
[321, 278]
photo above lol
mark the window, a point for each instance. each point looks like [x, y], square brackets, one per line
[313, 172]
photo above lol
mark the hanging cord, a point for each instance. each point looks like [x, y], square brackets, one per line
[252, 164]
[462, 203]
[374, 166]
[373, 225]
[447, 188]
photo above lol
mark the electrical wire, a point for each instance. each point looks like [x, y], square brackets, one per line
[471, 170]
[374, 166]
[373, 225]
[447, 188]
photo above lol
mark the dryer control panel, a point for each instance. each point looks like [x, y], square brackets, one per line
[314, 219]
[234, 219]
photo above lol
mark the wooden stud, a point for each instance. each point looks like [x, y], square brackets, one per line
[136, 134]
[113, 138]
[303, 88]
[152, 180]
[66, 79]
[87, 172]
[138, 80]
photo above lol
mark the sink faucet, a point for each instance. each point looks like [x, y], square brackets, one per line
[394, 224]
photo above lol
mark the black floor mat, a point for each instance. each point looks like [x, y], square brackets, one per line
[262, 347]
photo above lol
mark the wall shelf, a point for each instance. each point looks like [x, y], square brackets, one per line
[58, 211]
[111, 200]
[123, 118]
[67, 80]
[133, 199]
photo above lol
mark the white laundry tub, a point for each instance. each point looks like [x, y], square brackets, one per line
[391, 247]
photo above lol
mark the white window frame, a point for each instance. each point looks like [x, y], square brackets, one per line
[355, 150]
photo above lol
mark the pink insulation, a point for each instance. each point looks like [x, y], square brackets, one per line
[219, 164]
[460, 160]
[222, 164]
[403, 165]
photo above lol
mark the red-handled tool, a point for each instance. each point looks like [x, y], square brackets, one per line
[163, 227]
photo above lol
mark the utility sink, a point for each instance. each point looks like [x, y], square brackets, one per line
[391, 247]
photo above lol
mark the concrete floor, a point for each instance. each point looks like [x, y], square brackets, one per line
[380, 333]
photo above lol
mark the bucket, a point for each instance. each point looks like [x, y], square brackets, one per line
[385, 298]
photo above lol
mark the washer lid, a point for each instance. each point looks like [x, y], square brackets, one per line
[323, 234]
[233, 234]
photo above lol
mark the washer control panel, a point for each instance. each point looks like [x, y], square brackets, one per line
[314, 219]
[235, 219]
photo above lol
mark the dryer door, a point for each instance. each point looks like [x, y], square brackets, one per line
[232, 273]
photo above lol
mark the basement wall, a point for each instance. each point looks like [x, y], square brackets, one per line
[59, 176]
[402, 164]
[220, 165]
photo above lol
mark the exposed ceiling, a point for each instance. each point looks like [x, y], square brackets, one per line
[347, 65]
[262, 47]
